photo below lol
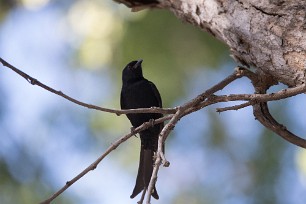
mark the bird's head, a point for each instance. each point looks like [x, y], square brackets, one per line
[132, 71]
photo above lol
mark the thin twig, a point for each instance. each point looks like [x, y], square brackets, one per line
[219, 86]
[142, 196]
[205, 99]
[92, 166]
[164, 133]
[180, 113]
[165, 162]
[235, 107]
[34, 81]
[251, 98]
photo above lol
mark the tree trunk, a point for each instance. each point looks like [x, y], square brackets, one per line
[267, 35]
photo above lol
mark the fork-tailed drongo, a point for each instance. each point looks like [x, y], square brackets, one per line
[138, 92]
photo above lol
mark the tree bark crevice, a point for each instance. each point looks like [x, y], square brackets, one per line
[269, 35]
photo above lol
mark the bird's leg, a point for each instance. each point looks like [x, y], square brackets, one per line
[132, 130]
[151, 121]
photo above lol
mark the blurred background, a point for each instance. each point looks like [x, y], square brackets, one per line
[80, 47]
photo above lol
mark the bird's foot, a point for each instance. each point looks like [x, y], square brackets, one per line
[151, 121]
[132, 131]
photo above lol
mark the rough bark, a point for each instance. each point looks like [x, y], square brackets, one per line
[268, 35]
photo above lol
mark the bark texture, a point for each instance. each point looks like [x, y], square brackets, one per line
[268, 35]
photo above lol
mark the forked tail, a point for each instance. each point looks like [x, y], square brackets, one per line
[144, 174]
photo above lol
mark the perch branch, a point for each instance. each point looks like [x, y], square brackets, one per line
[182, 111]
[258, 101]
[34, 81]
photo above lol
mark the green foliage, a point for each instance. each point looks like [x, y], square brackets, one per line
[5, 6]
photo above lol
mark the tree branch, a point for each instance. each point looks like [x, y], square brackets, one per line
[182, 111]
[262, 114]
[257, 100]
[94, 165]
[34, 81]
[159, 158]
[235, 107]
[265, 35]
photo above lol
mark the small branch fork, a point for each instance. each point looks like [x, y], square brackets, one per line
[258, 101]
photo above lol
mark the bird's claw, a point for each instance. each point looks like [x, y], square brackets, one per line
[151, 121]
[132, 131]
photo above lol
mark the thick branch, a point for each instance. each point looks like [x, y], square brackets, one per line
[262, 114]
[267, 35]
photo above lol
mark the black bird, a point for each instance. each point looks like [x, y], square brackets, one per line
[138, 92]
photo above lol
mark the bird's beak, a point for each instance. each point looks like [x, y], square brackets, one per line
[138, 63]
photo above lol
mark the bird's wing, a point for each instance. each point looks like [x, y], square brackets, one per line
[122, 103]
[156, 94]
